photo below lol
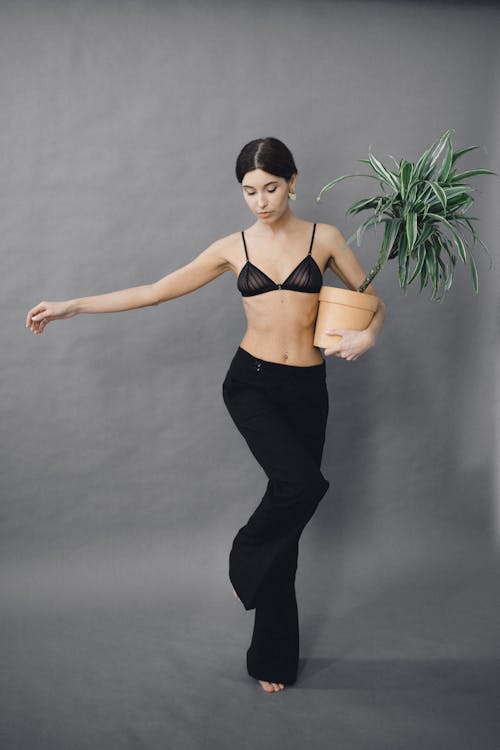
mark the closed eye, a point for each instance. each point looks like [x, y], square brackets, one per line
[269, 191]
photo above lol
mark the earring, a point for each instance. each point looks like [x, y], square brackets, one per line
[292, 196]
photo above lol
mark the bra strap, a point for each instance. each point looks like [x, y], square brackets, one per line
[244, 243]
[312, 239]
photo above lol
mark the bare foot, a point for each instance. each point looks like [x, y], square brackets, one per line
[271, 687]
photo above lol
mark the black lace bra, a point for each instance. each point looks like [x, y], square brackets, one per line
[306, 277]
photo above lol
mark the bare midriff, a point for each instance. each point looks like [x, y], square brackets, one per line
[280, 327]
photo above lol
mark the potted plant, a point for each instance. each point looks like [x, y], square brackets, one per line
[417, 202]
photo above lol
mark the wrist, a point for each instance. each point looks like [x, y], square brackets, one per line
[74, 306]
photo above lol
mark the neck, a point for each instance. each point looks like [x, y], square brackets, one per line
[281, 225]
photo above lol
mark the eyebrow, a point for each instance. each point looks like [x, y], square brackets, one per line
[267, 183]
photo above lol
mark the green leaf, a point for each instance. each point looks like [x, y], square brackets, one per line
[363, 205]
[466, 220]
[451, 192]
[447, 162]
[427, 230]
[405, 174]
[411, 230]
[473, 268]
[425, 164]
[403, 269]
[457, 238]
[431, 263]
[423, 277]
[438, 192]
[449, 276]
[435, 152]
[383, 173]
[463, 203]
[338, 179]
[442, 276]
[364, 226]
[470, 173]
[391, 232]
[420, 262]
[461, 152]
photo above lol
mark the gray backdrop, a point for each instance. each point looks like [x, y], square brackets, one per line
[124, 479]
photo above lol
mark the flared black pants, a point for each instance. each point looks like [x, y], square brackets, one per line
[281, 411]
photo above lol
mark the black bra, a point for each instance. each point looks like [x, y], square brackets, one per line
[306, 277]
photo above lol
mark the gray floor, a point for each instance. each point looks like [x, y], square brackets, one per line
[416, 665]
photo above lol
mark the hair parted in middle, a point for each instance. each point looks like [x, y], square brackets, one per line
[269, 154]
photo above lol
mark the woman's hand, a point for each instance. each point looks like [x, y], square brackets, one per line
[352, 344]
[45, 312]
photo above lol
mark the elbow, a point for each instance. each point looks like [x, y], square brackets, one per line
[155, 295]
[381, 306]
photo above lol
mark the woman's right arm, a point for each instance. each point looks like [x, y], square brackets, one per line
[208, 265]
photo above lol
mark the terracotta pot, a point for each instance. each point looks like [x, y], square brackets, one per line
[342, 308]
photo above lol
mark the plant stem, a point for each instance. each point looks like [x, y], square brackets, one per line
[374, 271]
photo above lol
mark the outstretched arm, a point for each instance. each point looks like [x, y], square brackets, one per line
[204, 268]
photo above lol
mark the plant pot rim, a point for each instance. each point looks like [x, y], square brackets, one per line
[348, 297]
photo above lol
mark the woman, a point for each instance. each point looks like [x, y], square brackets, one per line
[275, 387]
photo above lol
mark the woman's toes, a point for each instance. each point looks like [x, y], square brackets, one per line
[271, 687]
[267, 686]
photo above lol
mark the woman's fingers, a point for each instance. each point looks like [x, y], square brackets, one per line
[37, 317]
[337, 352]
[353, 344]
[46, 312]
[34, 313]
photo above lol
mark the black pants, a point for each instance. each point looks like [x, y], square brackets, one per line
[281, 411]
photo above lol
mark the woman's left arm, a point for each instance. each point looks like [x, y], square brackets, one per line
[346, 266]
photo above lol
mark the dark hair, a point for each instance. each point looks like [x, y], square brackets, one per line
[268, 154]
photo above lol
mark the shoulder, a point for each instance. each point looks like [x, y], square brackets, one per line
[329, 238]
[226, 245]
[328, 233]
[226, 250]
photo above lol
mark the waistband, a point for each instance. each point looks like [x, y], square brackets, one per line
[243, 362]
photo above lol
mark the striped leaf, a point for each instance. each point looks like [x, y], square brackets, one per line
[405, 175]
[403, 262]
[411, 230]
[447, 162]
[470, 173]
[420, 262]
[339, 179]
[462, 151]
[438, 192]
[391, 232]
[363, 205]
[431, 263]
[383, 173]
[457, 238]
[473, 268]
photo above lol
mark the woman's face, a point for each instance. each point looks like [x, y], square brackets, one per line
[266, 194]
